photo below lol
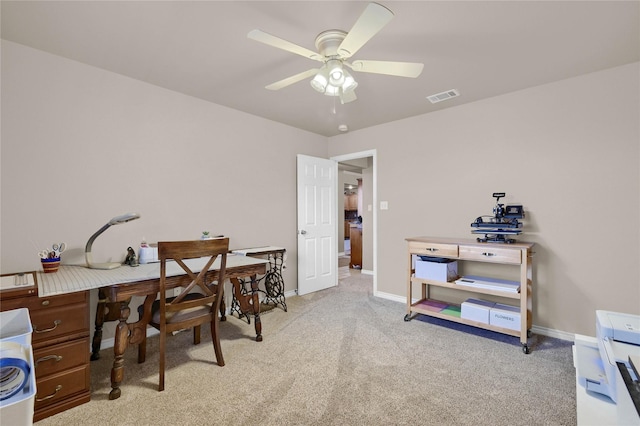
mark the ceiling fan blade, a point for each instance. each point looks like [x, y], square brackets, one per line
[372, 20]
[350, 96]
[280, 43]
[291, 80]
[400, 69]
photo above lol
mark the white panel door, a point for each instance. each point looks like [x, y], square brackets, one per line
[317, 228]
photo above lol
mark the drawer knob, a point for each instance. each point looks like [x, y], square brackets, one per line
[45, 303]
[488, 254]
[56, 323]
[58, 388]
[57, 358]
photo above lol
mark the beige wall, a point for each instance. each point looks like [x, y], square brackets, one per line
[81, 145]
[568, 151]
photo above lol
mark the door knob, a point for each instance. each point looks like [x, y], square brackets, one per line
[303, 232]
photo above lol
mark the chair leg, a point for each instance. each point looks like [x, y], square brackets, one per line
[196, 335]
[163, 338]
[142, 349]
[215, 338]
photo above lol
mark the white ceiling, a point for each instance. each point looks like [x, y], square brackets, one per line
[480, 48]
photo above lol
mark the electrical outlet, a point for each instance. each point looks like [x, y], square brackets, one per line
[384, 205]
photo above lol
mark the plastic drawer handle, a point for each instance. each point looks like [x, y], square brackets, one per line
[57, 358]
[488, 254]
[431, 249]
[58, 388]
[56, 323]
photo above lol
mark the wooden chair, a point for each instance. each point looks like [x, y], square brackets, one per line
[197, 304]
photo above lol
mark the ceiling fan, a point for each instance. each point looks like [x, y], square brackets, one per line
[335, 47]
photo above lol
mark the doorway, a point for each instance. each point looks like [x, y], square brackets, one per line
[360, 165]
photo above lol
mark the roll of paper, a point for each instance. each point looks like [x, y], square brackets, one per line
[14, 369]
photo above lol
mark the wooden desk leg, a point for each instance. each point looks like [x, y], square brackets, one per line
[120, 345]
[249, 303]
[97, 334]
[106, 311]
[255, 302]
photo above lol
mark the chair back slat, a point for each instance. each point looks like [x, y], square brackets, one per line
[179, 251]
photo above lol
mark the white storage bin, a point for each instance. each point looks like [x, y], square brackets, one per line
[16, 359]
[15, 325]
[437, 269]
[476, 310]
[506, 316]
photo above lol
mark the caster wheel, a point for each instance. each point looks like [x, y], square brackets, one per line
[407, 317]
[525, 349]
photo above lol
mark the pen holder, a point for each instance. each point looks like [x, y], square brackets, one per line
[50, 265]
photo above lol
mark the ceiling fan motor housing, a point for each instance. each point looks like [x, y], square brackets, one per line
[328, 42]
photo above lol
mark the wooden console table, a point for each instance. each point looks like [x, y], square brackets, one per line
[518, 253]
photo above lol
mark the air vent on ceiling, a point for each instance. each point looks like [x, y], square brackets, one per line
[439, 97]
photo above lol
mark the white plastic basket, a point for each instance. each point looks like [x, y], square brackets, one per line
[18, 387]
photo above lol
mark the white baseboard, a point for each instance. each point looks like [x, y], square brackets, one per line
[549, 332]
[366, 272]
[109, 343]
[389, 296]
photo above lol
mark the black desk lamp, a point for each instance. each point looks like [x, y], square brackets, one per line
[87, 251]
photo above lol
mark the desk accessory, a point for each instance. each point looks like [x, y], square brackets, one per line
[131, 258]
[87, 251]
[50, 259]
[50, 265]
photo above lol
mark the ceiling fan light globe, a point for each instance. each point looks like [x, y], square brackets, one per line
[336, 73]
[319, 83]
[332, 90]
[336, 79]
[349, 83]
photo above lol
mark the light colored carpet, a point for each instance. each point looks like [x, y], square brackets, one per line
[340, 357]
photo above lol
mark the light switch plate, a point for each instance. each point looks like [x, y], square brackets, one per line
[384, 205]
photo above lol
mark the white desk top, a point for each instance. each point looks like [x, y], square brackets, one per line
[72, 278]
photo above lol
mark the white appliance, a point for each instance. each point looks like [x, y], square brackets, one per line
[604, 364]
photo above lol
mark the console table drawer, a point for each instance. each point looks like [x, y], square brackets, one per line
[57, 387]
[56, 358]
[433, 249]
[61, 321]
[34, 303]
[491, 254]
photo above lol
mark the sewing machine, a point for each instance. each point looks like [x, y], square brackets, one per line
[608, 364]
